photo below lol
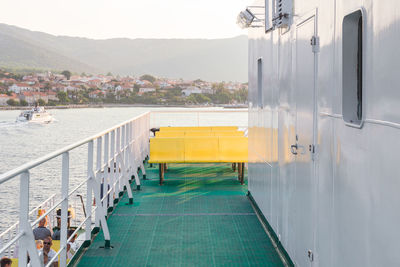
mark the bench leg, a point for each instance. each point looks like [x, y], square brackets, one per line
[161, 172]
[239, 172]
[234, 167]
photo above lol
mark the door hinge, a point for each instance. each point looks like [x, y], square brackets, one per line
[311, 148]
[315, 44]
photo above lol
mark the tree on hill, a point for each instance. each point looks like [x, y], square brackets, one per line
[67, 74]
[23, 103]
[62, 97]
[41, 102]
[12, 102]
[148, 77]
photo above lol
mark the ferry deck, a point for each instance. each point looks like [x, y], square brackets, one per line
[200, 216]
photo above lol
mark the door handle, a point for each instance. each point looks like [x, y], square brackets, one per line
[293, 149]
[302, 149]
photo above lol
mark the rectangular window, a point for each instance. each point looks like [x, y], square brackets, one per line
[259, 84]
[352, 68]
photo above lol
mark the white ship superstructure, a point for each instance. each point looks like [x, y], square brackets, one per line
[324, 127]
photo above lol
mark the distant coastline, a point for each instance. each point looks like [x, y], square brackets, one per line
[121, 106]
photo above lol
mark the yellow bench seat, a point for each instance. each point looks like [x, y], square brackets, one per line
[198, 149]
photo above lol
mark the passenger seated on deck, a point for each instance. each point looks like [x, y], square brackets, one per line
[56, 229]
[46, 253]
[5, 262]
[41, 232]
[71, 246]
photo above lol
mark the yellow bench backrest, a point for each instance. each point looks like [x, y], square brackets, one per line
[233, 149]
[199, 149]
[200, 128]
[165, 150]
[170, 134]
[198, 133]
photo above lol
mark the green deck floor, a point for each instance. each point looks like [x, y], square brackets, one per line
[201, 216]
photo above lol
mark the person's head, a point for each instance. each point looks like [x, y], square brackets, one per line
[42, 222]
[69, 233]
[47, 242]
[5, 262]
[39, 244]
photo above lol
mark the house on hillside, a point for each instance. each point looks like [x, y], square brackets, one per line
[4, 98]
[191, 90]
[146, 90]
[20, 87]
[33, 97]
[97, 94]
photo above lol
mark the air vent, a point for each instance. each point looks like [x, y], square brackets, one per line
[282, 14]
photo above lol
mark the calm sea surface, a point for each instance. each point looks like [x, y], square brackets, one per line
[22, 142]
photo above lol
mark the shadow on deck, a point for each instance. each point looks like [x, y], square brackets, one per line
[201, 216]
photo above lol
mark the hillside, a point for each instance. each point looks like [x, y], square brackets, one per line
[212, 60]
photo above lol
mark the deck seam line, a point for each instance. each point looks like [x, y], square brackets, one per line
[183, 214]
[154, 232]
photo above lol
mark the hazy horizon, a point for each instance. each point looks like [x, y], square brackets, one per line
[131, 19]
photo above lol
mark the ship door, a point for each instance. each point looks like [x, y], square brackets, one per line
[305, 70]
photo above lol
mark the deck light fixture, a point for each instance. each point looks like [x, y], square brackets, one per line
[246, 18]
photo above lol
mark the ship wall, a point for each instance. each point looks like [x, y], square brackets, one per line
[344, 209]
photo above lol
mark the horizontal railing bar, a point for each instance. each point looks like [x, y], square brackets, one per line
[12, 241]
[30, 213]
[77, 187]
[69, 239]
[244, 110]
[47, 213]
[27, 166]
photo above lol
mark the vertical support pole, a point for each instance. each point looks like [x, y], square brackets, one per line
[118, 168]
[106, 171]
[234, 166]
[23, 217]
[161, 172]
[239, 171]
[27, 241]
[242, 173]
[98, 175]
[112, 169]
[88, 226]
[123, 157]
[64, 208]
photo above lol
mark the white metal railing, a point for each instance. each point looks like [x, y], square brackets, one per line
[120, 151]
[185, 117]
[7, 235]
[117, 154]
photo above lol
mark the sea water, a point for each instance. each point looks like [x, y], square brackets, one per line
[21, 142]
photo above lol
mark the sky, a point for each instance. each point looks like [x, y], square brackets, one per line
[104, 19]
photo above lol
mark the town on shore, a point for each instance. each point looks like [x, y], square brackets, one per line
[67, 89]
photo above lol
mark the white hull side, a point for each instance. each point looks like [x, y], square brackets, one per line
[353, 216]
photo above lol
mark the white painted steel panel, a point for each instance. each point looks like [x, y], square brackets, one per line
[357, 181]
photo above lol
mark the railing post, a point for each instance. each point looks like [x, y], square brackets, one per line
[98, 175]
[112, 170]
[27, 241]
[95, 185]
[23, 217]
[88, 226]
[64, 208]
[122, 157]
[118, 169]
[107, 170]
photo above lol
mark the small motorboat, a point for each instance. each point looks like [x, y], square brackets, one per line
[36, 114]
